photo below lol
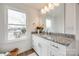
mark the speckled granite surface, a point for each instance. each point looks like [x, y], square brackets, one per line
[64, 39]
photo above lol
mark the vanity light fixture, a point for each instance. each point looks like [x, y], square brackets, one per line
[56, 4]
[46, 9]
[49, 7]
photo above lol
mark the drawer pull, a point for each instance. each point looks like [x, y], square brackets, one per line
[55, 46]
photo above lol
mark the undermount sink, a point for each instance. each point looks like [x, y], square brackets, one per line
[47, 36]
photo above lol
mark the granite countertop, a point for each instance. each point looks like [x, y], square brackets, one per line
[57, 39]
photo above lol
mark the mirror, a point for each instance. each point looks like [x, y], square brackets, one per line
[54, 20]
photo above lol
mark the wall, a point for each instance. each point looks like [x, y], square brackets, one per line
[77, 28]
[23, 45]
[2, 24]
[57, 18]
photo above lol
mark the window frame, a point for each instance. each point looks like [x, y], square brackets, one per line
[47, 23]
[17, 25]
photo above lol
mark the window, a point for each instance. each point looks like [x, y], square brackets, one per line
[48, 23]
[16, 25]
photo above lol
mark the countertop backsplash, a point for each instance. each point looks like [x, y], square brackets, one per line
[72, 36]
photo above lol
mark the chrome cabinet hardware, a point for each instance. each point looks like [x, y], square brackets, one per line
[55, 46]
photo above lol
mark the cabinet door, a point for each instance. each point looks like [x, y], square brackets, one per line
[34, 46]
[45, 47]
[53, 49]
[41, 46]
[70, 18]
[35, 43]
[45, 50]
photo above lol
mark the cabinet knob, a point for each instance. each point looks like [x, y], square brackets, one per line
[55, 46]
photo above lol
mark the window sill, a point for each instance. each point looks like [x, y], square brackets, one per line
[18, 39]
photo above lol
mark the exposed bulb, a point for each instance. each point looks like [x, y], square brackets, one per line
[43, 11]
[46, 9]
[51, 6]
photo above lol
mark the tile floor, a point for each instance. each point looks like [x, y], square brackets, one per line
[33, 54]
[28, 53]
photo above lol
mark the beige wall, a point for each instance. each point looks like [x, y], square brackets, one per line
[23, 45]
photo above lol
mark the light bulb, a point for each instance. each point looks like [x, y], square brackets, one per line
[46, 9]
[56, 4]
[43, 11]
[51, 6]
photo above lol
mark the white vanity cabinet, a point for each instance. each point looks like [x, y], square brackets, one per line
[40, 45]
[36, 44]
[45, 47]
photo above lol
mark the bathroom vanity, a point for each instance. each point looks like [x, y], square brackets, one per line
[52, 45]
[62, 41]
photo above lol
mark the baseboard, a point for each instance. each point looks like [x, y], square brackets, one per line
[35, 52]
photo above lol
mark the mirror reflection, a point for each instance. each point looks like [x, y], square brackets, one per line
[54, 20]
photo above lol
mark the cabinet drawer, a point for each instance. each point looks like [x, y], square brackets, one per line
[53, 43]
[60, 54]
[62, 47]
[58, 46]
[54, 52]
[57, 49]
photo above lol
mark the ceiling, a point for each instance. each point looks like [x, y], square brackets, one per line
[36, 6]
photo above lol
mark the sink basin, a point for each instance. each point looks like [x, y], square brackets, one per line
[46, 36]
[61, 40]
[49, 37]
